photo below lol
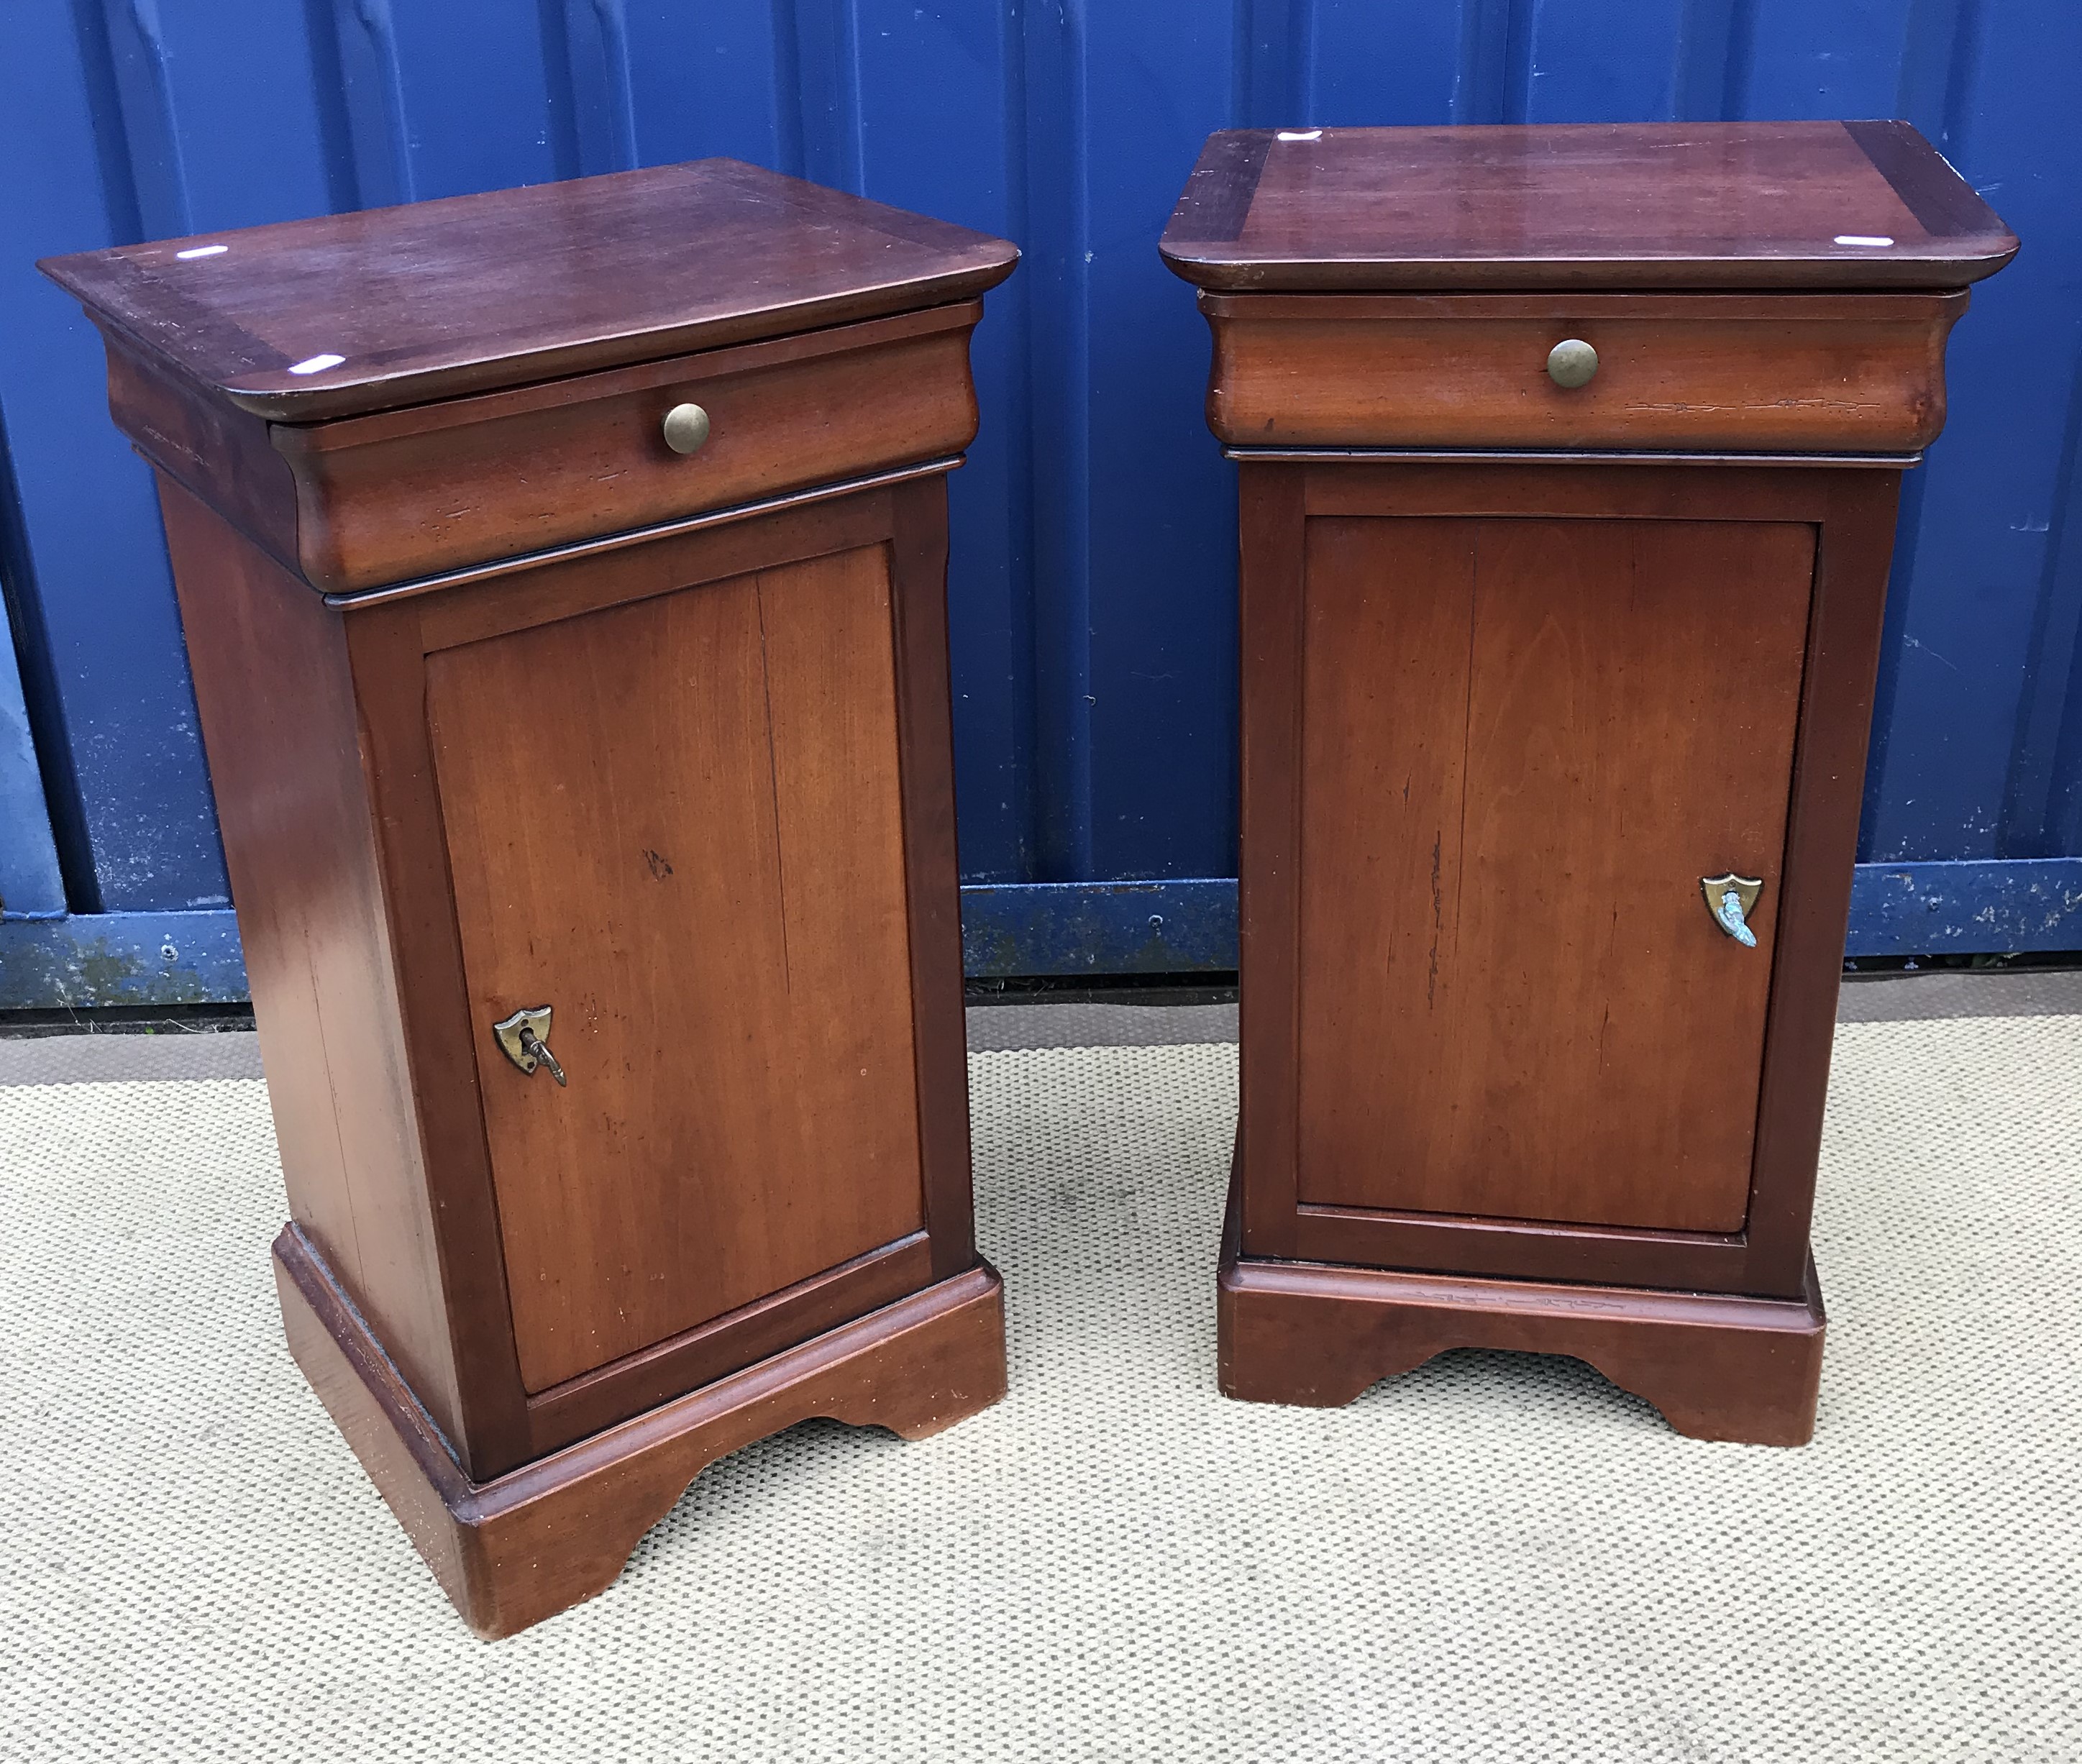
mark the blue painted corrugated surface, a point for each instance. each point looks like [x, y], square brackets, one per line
[1092, 570]
[30, 886]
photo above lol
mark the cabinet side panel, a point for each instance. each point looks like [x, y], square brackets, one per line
[281, 731]
[1271, 582]
[1587, 1048]
[1836, 717]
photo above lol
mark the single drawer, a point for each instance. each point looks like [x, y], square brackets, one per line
[366, 501]
[1742, 374]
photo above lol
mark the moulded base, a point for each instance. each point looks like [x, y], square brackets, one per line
[1718, 1366]
[513, 1551]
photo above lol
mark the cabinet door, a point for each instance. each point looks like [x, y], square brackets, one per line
[1525, 742]
[677, 823]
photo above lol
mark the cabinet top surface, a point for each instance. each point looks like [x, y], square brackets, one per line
[311, 319]
[1634, 205]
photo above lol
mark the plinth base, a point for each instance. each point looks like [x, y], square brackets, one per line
[1718, 1366]
[523, 1546]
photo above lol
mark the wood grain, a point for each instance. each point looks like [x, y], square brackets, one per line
[661, 742]
[1604, 205]
[925, 741]
[387, 647]
[1790, 373]
[1526, 743]
[1271, 598]
[1719, 1367]
[1611, 489]
[1515, 660]
[1538, 1249]
[1847, 510]
[769, 1324]
[511, 1552]
[1854, 543]
[390, 640]
[678, 823]
[406, 493]
[219, 454]
[279, 718]
[546, 590]
[513, 287]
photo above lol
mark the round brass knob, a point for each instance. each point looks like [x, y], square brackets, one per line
[1571, 363]
[686, 429]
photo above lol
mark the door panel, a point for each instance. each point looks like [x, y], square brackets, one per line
[1524, 743]
[677, 823]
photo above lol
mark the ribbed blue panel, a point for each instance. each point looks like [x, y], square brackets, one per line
[440, 100]
[30, 886]
[657, 81]
[103, 670]
[931, 110]
[1053, 650]
[1159, 543]
[1093, 576]
[1975, 755]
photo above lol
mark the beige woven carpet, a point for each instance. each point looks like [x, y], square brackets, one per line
[1494, 1558]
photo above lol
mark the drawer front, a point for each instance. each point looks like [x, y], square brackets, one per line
[409, 494]
[1733, 373]
[677, 824]
[1526, 745]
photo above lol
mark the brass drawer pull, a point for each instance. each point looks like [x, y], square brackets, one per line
[524, 1038]
[686, 429]
[1731, 899]
[1572, 363]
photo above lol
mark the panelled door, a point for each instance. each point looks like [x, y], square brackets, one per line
[675, 824]
[1525, 744]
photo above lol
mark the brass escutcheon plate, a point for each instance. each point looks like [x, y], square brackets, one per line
[517, 1031]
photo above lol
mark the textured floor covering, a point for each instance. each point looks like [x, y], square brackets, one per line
[1495, 1558]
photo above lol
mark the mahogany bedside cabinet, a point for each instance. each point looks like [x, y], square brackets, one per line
[563, 572]
[1569, 460]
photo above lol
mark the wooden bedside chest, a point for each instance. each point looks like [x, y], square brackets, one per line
[1569, 466]
[563, 572]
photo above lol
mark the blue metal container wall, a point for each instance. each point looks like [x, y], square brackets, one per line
[1093, 576]
[30, 884]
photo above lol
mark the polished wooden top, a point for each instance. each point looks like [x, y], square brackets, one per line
[309, 319]
[1628, 205]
